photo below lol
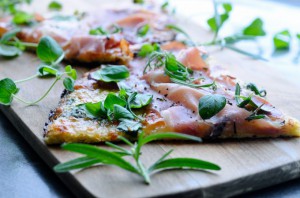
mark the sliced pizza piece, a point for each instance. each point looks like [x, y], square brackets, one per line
[167, 92]
[102, 37]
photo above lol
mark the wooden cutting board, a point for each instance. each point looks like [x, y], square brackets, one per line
[246, 164]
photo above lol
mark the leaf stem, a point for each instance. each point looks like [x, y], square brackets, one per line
[47, 92]
[27, 79]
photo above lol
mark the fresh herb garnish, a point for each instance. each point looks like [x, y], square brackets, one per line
[143, 31]
[253, 87]
[147, 49]
[50, 54]
[21, 18]
[210, 105]
[138, 1]
[282, 40]
[255, 28]
[98, 31]
[181, 31]
[95, 155]
[255, 115]
[111, 73]
[55, 5]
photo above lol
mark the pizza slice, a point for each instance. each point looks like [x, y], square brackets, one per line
[174, 89]
[105, 36]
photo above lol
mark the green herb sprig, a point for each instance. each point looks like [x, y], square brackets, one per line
[95, 155]
[50, 54]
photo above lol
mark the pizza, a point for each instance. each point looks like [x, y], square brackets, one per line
[102, 37]
[171, 88]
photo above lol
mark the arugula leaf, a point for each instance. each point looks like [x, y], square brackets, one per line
[282, 40]
[129, 125]
[210, 105]
[9, 51]
[7, 90]
[81, 162]
[21, 17]
[55, 5]
[111, 100]
[69, 84]
[111, 73]
[142, 31]
[48, 50]
[255, 28]
[121, 112]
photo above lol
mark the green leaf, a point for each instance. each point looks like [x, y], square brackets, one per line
[227, 7]
[71, 72]
[121, 112]
[168, 135]
[9, 51]
[253, 87]
[255, 28]
[48, 50]
[54, 5]
[213, 24]
[105, 156]
[69, 84]
[178, 29]
[186, 163]
[210, 105]
[141, 100]
[111, 99]
[298, 36]
[95, 110]
[255, 117]
[142, 31]
[282, 40]
[98, 31]
[129, 125]
[145, 50]
[111, 73]
[81, 162]
[46, 70]
[139, 1]
[151, 168]
[7, 89]
[22, 17]
[9, 35]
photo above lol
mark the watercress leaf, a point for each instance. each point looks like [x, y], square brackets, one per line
[210, 105]
[227, 7]
[142, 31]
[129, 125]
[46, 70]
[167, 135]
[107, 157]
[111, 73]
[9, 51]
[213, 24]
[141, 100]
[7, 89]
[21, 17]
[255, 28]
[111, 99]
[71, 72]
[48, 50]
[98, 31]
[121, 112]
[81, 162]
[69, 84]
[185, 163]
[55, 5]
[9, 35]
[95, 110]
[282, 40]
[145, 50]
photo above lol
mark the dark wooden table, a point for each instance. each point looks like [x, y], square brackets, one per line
[24, 174]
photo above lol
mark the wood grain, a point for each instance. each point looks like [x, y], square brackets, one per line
[246, 164]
